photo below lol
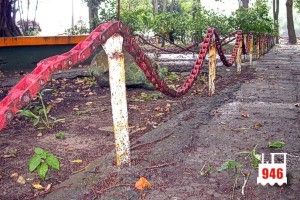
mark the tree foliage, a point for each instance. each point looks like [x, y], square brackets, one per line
[184, 20]
[188, 19]
[254, 19]
[297, 5]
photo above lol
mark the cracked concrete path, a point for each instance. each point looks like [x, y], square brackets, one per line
[181, 157]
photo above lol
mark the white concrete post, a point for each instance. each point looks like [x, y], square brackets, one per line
[251, 49]
[212, 67]
[238, 60]
[113, 49]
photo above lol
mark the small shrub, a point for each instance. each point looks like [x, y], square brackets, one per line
[38, 114]
[41, 161]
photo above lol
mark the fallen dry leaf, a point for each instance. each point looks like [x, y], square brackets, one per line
[142, 184]
[10, 153]
[76, 109]
[39, 135]
[37, 186]
[159, 114]
[48, 187]
[76, 161]
[88, 103]
[21, 180]
[58, 100]
[158, 108]
[215, 113]
[257, 125]
[245, 115]
[9, 156]
[168, 107]
[14, 175]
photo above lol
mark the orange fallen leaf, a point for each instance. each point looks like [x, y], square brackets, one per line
[142, 184]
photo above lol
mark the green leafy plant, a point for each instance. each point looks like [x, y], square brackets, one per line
[41, 161]
[276, 144]
[255, 158]
[230, 165]
[172, 76]
[35, 119]
[39, 114]
[60, 135]
[79, 28]
[203, 79]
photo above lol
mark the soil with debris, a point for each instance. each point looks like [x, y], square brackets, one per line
[81, 111]
[178, 145]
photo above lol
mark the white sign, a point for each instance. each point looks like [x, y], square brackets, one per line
[272, 172]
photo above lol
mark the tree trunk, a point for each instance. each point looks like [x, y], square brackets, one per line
[93, 17]
[290, 22]
[8, 27]
[164, 5]
[244, 3]
[155, 6]
[275, 17]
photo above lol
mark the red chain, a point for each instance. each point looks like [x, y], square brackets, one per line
[32, 83]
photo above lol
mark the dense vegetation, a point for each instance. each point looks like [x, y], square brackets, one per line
[186, 20]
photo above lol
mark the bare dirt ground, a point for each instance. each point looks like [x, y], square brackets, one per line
[182, 157]
[177, 144]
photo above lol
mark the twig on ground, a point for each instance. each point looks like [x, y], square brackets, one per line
[201, 171]
[161, 165]
[234, 186]
[80, 170]
[150, 143]
[246, 178]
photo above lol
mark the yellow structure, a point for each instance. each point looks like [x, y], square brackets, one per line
[39, 41]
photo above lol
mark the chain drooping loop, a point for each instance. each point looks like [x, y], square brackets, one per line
[145, 63]
[32, 83]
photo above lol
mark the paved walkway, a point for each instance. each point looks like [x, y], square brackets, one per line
[180, 158]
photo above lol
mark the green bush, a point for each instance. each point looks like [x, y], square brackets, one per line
[41, 161]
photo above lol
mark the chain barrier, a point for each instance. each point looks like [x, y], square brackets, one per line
[27, 88]
[182, 49]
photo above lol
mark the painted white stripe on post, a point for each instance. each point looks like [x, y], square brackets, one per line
[113, 49]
